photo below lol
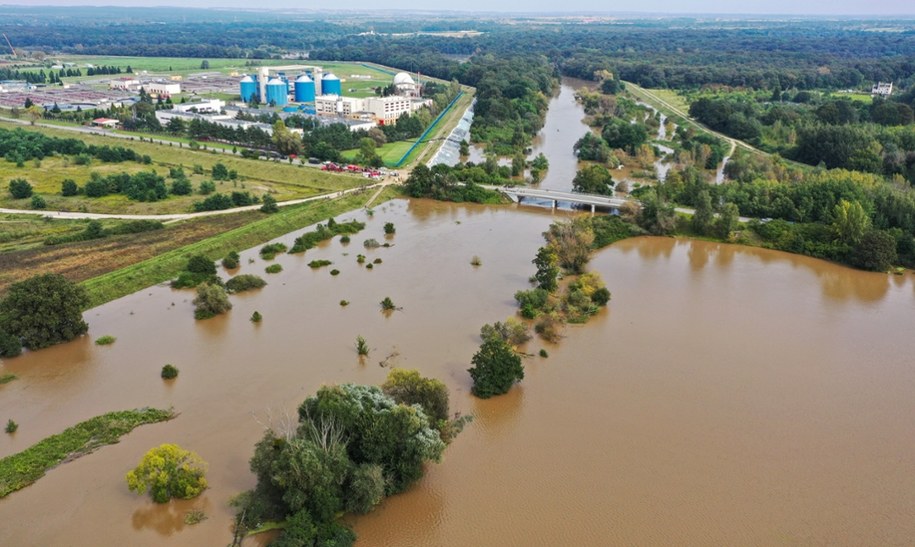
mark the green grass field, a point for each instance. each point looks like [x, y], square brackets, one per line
[20, 232]
[22, 469]
[284, 181]
[672, 98]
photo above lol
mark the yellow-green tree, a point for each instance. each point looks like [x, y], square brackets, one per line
[168, 471]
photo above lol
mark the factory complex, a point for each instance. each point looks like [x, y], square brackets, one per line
[320, 93]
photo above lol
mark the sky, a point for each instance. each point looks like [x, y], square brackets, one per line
[787, 7]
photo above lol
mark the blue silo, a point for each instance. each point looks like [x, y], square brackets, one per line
[330, 85]
[304, 89]
[277, 92]
[248, 89]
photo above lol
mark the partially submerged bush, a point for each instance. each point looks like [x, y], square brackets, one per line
[387, 304]
[256, 317]
[274, 268]
[315, 264]
[211, 300]
[230, 262]
[105, 340]
[269, 251]
[371, 244]
[512, 331]
[244, 282]
[362, 347]
[168, 471]
[169, 372]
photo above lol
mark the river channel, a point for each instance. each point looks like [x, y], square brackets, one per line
[727, 396]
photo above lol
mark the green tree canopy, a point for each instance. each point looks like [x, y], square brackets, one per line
[496, 368]
[44, 310]
[168, 471]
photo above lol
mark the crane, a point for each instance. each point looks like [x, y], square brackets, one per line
[9, 44]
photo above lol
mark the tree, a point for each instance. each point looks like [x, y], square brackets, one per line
[704, 217]
[367, 154]
[286, 142]
[44, 310]
[204, 65]
[211, 300]
[876, 251]
[619, 133]
[728, 220]
[269, 204]
[69, 188]
[220, 172]
[201, 264]
[408, 387]
[850, 221]
[168, 471]
[593, 179]
[496, 368]
[38, 202]
[547, 263]
[20, 188]
[572, 242]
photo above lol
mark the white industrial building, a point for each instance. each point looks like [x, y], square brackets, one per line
[381, 110]
[405, 86]
[882, 89]
[209, 106]
[155, 88]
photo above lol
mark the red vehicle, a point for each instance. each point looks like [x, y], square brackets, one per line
[331, 166]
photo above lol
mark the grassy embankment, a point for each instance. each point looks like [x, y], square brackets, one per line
[282, 180]
[392, 152]
[124, 281]
[20, 470]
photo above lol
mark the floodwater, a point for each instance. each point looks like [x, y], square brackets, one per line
[728, 395]
[562, 128]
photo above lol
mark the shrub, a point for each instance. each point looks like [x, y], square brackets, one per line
[20, 188]
[206, 188]
[256, 317]
[11, 426]
[389, 228]
[371, 244]
[169, 372]
[495, 369]
[182, 187]
[377, 261]
[211, 300]
[269, 204]
[244, 282]
[368, 266]
[335, 272]
[201, 264]
[360, 259]
[69, 188]
[475, 261]
[189, 280]
[168, 471]
[274, 268]
[549, 327]
[344, 240]
[544, 354]
[269, 251]
[105, 340]
[319, 263]
[512, 331]
[532, 302]
[344, 303]
[194, 516]
[10, 346]
[362, 348]
[387, 304]
[230, 262]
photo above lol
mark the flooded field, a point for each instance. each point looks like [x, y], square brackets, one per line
[727, 396]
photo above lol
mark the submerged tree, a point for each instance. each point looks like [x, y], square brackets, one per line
[168, 471]
[496, 368]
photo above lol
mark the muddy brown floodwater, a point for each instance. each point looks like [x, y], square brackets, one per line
[728, 396]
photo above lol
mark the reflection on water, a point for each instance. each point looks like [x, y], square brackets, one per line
[728, 396]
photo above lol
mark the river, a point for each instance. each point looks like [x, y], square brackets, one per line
[728, 395]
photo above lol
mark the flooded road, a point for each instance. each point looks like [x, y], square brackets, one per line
[728, 395]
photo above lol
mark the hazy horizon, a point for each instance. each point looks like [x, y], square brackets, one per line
[654, 7]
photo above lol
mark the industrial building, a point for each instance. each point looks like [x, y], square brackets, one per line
[157, 88]
[382, 110]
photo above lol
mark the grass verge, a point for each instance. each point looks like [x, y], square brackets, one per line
[124, 281]
[22, 469]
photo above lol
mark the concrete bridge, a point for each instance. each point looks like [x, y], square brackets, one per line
[519, 193]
